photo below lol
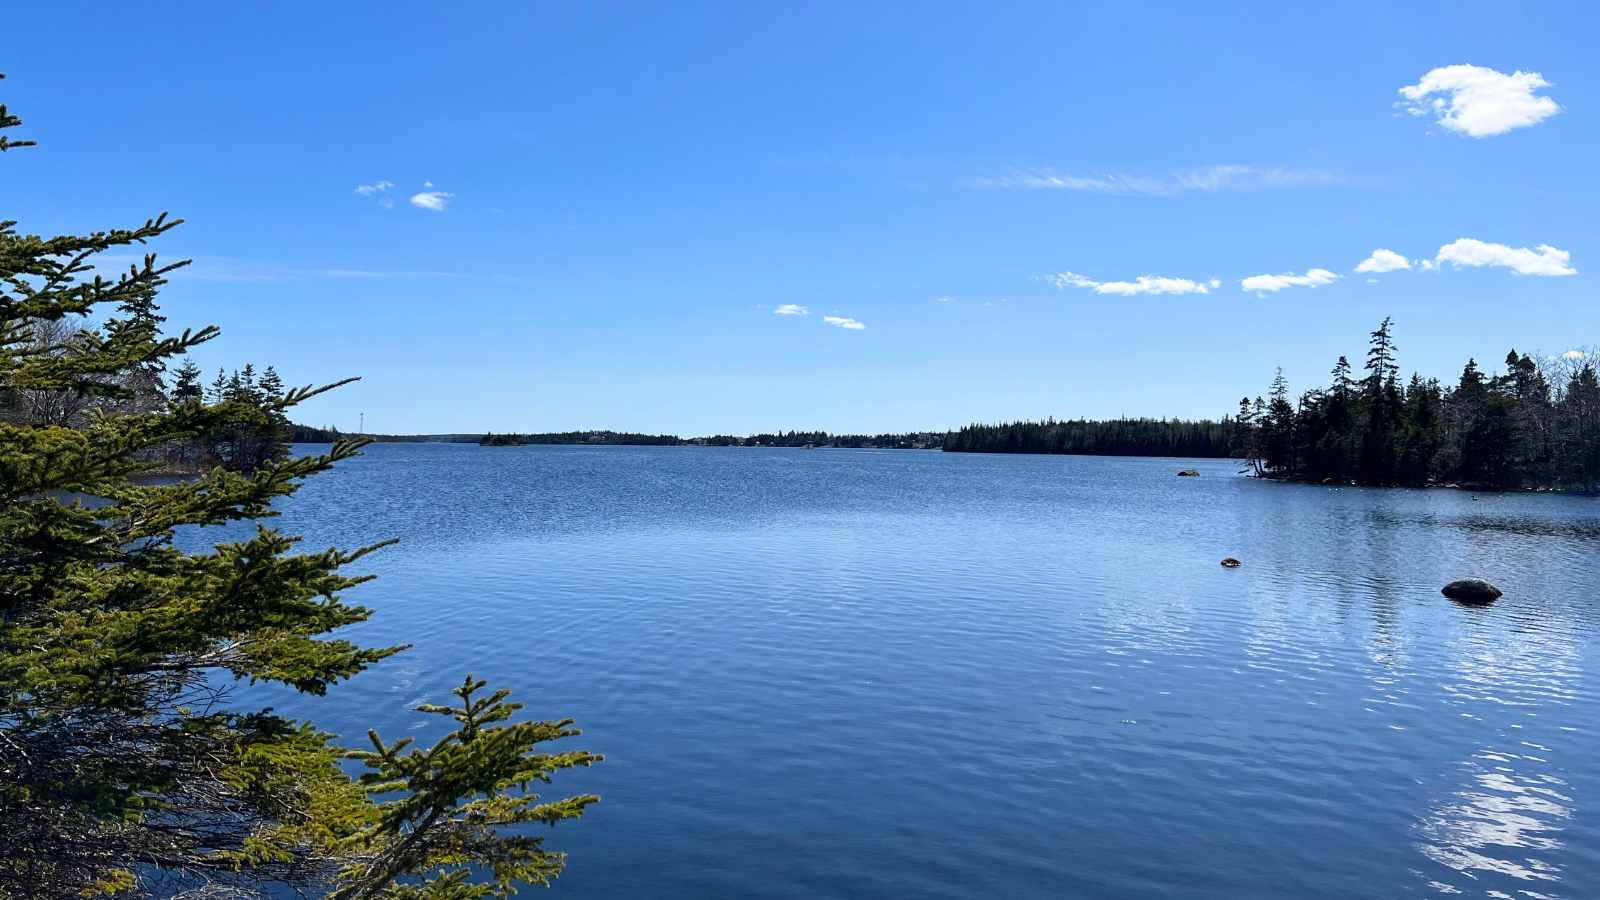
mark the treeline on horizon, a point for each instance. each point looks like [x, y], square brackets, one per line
[1118, 437]
[1113, 437]
[915, 440]
[1121, 437]
[624, 438]
[1535, 425]
[328, 434]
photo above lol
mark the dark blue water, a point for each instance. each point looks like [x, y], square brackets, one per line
[913, 674]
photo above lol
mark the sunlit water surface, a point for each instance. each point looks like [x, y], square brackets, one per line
[912, 674]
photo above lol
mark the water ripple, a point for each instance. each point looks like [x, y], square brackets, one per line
[927, 675]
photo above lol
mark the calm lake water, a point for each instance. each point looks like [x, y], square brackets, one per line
[912, 674]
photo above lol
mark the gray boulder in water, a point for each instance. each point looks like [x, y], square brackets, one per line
[1471, 590]
[1188, 473]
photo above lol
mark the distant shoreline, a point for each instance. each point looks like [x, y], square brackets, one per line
[1172, 438]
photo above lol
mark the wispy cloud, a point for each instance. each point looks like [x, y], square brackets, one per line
[1543, 260]
[1383, 260]
[432, 200]
[791, 309]
[1477, 101]
[1210, 179]
[1269, 284]
[1250, 178]
[844, 322]
[379, 189]
[1144, 284]
[1096, 184]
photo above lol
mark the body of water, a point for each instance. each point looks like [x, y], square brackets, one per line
[913, 674]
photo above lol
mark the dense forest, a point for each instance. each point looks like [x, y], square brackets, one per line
[1116, 437]
[1535, 425]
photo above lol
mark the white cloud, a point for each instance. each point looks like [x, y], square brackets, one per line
[844, 322]
[377, 187]
[942, 300]
[1383, 260]
[1266, 284]
[1478, 101]
[1144, 284]
[1426, 265]
[1573, 354]
[1204, 180]
[791, 309]
[1542, 260]
[434, 200]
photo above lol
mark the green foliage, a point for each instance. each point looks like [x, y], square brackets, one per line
[123, 767]
[580, 437]
[1537, 425]
[454, 797]
[1117, 437]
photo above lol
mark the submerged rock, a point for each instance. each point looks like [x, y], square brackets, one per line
[1188, 473]
[1231, 563]
[1471, 590]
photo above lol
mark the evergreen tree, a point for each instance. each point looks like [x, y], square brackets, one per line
[270, 390]
[1279, 439]
[1580, 430]
[1247, 437]
[1380, 402]
[218, 391]
[1419, 447]
[186, 383]
[122, 766]
[271, 385]
[248, 390]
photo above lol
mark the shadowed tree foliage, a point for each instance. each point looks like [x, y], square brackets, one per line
[1116, 437]
[1536, 425]
[123, 768]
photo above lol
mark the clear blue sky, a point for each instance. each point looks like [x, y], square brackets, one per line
[633, 189]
